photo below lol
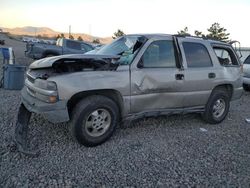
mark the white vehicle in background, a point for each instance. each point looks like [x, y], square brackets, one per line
[35, 40]
[26, 39]
[30, 39]
[246, 74]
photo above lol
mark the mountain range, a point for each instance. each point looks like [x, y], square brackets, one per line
[48, 32]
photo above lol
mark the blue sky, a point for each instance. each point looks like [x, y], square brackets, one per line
[103, 17]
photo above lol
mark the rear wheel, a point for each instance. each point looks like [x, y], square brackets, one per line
[217, 107]
[94, 120]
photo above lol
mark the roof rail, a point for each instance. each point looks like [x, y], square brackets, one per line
[190, 36]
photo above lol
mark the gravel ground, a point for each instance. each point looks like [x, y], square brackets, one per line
[154, 152]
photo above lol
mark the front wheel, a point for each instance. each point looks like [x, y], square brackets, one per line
[217, 107]
[94, 120]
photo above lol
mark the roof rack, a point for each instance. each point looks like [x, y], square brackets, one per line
[190, 36]
[204, 38]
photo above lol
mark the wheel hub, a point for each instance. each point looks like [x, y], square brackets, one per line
[98, 122]
[219, 108]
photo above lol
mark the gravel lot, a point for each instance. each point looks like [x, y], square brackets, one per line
[155, 152]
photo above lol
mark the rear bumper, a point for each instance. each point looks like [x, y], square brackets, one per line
[54, 112]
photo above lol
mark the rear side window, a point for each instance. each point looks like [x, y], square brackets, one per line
[196, 55]
[73, 45]
[225, 56]
[247, 61]
[86, 47]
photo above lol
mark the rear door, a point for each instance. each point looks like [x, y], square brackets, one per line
[155, 84]
[200, 73]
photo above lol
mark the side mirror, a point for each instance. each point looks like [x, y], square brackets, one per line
[140, 64]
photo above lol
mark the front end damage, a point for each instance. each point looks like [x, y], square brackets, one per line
[40, 95]
[21, 131]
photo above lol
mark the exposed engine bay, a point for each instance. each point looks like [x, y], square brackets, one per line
[70, 65]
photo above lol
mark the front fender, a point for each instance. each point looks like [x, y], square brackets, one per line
[69, 84]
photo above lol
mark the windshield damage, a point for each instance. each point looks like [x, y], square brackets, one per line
[120, 52]
[127, 47]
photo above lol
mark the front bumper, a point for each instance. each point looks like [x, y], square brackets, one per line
[54, 112]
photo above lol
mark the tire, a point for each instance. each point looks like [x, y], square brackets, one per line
[217, 107]
[246, 87]
[94, 120]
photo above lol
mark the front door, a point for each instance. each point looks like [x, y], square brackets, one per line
[156, 82]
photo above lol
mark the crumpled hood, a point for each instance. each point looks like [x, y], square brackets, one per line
[49, 61]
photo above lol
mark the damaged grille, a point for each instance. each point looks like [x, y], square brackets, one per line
[31, 92]
[31, 79]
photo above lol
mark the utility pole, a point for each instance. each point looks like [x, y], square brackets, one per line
[69, 30]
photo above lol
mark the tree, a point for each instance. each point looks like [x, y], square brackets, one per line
[71, 37]
[199, 33]
[80, 38]
[217, 32]
[60, 36]
[184, 32]
[118, 34]
[45, 36]
[96, 41]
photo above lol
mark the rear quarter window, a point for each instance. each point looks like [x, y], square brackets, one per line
[196, 55]
[247, 60]
[225, 55]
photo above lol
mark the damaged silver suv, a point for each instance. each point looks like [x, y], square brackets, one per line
[133, 77]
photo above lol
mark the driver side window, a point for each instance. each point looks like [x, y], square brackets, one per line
[159, 54]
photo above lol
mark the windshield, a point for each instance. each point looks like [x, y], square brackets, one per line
[126, 46]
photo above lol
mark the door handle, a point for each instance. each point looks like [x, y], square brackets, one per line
[211, 75]
[179, 76]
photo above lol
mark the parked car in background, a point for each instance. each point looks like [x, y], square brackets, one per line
[30, 39]
[133, 77]
[26, 39]
[246, 74]
[63, 46]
